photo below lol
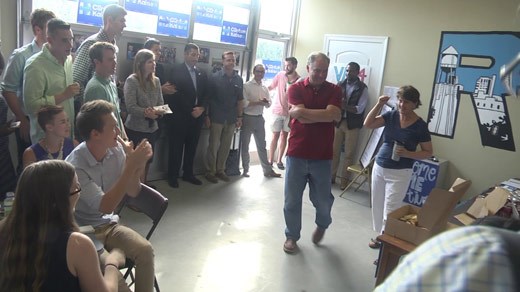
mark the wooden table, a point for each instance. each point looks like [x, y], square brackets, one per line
[392, 248]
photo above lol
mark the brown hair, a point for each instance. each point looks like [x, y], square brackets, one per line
[90, 117]
[46, 114]
[41, 211]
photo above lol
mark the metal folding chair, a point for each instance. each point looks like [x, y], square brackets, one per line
[152, 204]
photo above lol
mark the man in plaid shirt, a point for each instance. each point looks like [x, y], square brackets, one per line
[113, 24]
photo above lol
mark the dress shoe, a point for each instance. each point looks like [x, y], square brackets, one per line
[317, 235]
[245, 174]
[280, 166]
[211, 178]
[193, 180]
[290, 246]
[272, 174]
[173, 183]
[223, 176]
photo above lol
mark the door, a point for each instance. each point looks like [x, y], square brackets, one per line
[370, 53]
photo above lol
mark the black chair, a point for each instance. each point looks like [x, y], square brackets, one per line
[151, 203]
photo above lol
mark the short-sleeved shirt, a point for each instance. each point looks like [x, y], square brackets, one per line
[103, 88]
[45, 77]
[13, 75]
[410, 136]
[83, 67]
[471, 258]
[224, 97]
[312, 141]
[95, 178]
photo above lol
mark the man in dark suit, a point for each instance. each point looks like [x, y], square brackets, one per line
[188, 104]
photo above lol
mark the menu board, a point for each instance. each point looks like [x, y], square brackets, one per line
[220, 23]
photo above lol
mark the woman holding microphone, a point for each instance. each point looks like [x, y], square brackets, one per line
[391, 174]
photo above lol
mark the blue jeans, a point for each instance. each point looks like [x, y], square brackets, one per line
[298, 173]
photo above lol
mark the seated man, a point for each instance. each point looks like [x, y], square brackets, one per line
[107, 170]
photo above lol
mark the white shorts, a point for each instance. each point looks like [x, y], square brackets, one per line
[280, 123]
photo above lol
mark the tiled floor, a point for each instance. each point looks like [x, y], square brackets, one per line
[229, 237]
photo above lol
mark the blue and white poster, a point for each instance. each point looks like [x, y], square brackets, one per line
[209, 13]
[91, 11]
[173, 23]
[234, 33]
[424, 179]
[271, 68]
[143, 6]
[468, 65]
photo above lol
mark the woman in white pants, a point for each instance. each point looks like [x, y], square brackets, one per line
[392, 171]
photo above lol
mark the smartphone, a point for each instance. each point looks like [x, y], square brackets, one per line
[15, 124]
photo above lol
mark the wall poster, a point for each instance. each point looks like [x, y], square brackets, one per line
[468, 66]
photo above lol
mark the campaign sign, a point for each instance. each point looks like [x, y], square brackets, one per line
[143, 6]
[91, 11]
[173, 24]
[209, 13]
[234, 33]
[338, 72]
[424, 179]
[271, 68]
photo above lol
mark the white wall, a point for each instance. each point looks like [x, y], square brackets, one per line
[414, 31]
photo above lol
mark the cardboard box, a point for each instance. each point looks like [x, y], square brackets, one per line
[484, 206]
[432, 217]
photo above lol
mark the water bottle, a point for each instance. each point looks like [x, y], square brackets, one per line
[397, 145]
[8, 203]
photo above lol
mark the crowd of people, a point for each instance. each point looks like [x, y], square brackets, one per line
[79, 154]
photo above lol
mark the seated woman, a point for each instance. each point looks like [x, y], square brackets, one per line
[40, 248]
[56, 144]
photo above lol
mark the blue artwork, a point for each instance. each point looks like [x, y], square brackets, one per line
[469, 64]
[422, 182]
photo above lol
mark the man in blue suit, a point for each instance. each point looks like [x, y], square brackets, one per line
[188, 104]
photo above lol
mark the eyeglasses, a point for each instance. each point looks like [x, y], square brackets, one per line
[77, 191]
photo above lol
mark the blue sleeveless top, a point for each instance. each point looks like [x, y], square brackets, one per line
[41, 154]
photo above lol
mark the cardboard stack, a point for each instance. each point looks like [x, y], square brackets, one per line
[432, 217]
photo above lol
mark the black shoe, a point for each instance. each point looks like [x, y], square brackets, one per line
[173, 183]
[193, 180]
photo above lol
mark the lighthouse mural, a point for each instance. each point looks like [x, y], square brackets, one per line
[467, 67]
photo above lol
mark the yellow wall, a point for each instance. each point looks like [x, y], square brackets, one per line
[414, 30]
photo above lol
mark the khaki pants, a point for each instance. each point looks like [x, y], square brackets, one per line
[135, 247]
[349, 138]
[220, 136]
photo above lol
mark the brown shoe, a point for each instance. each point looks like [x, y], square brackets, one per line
[272, 174]
[290, 246]
[223, 176]
[317, 235]
[211, 178]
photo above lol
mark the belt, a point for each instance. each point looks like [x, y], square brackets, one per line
[252, 115]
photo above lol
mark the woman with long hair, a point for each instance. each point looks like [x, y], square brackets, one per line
[142, 93]
[40, 246]
[56, 143]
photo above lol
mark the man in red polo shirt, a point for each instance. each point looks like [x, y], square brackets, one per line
[315, 106]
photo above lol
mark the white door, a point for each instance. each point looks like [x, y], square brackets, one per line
[370, 53]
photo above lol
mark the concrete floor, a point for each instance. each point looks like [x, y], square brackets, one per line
[229, 237]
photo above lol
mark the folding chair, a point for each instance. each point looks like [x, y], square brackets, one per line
[360, 171]
[151, 203]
